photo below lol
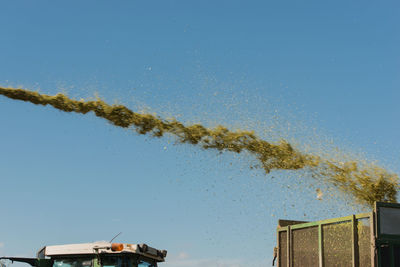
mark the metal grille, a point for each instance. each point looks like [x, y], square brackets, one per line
[385, 256]
[364, 242]
[305, 247]
[396, 253]
[282, 257]
[337, 244]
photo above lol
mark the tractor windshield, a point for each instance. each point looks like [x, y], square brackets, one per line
[73, 262]
[145, 264]
[110, 261]
[118, 261]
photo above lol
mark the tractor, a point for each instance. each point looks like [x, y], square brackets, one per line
[97, 254]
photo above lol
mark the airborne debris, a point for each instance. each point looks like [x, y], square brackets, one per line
[366, 184]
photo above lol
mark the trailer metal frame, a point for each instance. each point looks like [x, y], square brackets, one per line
[378, 241]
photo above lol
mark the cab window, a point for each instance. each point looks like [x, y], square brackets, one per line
[73, 262]
[145, 264]
[112, 262]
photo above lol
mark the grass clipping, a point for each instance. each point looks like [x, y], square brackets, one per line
[365, 183]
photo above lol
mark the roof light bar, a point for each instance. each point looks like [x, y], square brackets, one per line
[117, 247]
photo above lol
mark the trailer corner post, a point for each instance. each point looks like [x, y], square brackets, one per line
[289, 246]
[320, 246]
[354, 241]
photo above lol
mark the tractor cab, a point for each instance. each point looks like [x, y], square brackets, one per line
[98, 254]
[362, 240]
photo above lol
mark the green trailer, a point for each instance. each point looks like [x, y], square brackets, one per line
[362, 240]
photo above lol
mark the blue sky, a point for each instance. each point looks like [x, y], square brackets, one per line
[323, 75]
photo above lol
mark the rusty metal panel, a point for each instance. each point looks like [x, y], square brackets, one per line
[364, 242]
[337, 244]
[305, 247]
[283, 249]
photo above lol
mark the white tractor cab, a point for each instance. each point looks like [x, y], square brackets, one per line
[98, 254]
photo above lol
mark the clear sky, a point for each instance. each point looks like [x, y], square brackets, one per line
[323, 74]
